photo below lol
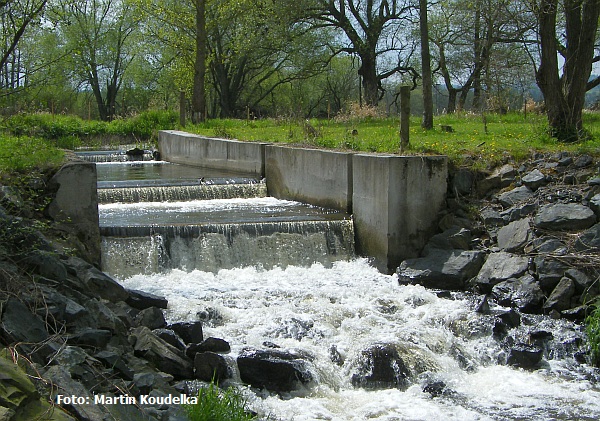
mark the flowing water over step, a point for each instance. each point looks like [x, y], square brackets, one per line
[259, 271]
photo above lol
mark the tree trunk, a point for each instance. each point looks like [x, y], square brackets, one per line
[198, 95]
[370, 80]
[427, 122]
[565, 96]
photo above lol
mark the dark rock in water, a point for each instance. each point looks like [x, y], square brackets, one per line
[336, 356]
[560, 299]
[565, 217]
[152, 318]
[165, 357]
[210, 366]
[525, 356]
[577, 314]
[589, 240]
[499, 267]
[217, 345]
[511, 318]
[169, 337]
[484, 306]
[380, 367]
[523, 293]
[444, 269]
[436, 389]
[135, 152]
[189, 332]
[274, 370]
[142, 300]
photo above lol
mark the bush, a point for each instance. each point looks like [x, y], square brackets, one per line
[215, 404]
[592, 328]
[22, 154]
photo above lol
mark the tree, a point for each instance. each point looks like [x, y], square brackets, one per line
[373, 30]
[99, 35]
[426, 75]
[199, 94]
[564, 94]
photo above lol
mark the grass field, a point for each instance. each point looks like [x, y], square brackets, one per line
[472, 140]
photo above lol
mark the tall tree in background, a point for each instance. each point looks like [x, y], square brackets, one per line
[564, 94]
[427, 78]
[15, 17]
[99, 35]
[372, 28]
[199, 94]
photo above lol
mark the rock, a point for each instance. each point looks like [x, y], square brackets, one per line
[565, 217]
[380, 367]
[457, 238]
[515, 196]
[462, 182]
[491, 217]
[94, 282]
[589, 240]
[445, 269]
[189, 332]
[484, 306]
[215, 345]
[595, 205]
[143, 300]
[534, 179]
[96, 338]
[518, 212]
[19, 324]
[45, 264]
[436, 389]
[560, 299]
[515, 236]
[523, 293]
[152, 318]
[497, 268]
[500, 178]
[549, 272]
[525, 356]
[170, 337]
[274, 370]
[549, 245]
[210, 366]
[165, 357]
[583, 161]
[576, 314]
[114, 361]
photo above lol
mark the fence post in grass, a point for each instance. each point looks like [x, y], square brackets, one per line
[182, 108]
[404, 117]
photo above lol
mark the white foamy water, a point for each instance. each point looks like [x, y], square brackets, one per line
[349, 307]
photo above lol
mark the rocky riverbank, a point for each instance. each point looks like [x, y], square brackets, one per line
[525, 237]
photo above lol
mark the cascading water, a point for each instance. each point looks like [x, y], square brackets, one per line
[254, 283]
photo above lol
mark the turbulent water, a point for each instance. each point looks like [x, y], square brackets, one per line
[350, 306]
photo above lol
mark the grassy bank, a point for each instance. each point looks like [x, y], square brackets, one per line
[473, 139]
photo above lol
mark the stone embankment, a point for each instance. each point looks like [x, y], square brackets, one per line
[525, 237]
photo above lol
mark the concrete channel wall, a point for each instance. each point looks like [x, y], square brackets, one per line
[395, 200]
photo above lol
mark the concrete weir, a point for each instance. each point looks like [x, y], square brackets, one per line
[395, 200]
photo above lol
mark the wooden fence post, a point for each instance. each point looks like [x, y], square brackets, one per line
[182, 108]
[404, 118]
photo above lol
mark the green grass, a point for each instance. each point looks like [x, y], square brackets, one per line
[23, 154]
[471, 142]
[215, 404]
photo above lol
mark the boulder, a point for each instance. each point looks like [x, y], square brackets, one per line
[500, 178]
[142, 300]
[491, 217]
[89, 337]
[380, 367]
[595, 205]
[152, 318]
[462, 182]
[189, 332]
[523, 293]
[95, 283]
[274, 370]
[549, 272]
[525, 356]
[19, 324]
[565, 217]
[561, 296]
[444, 269]
[497, 268]
[210, 366]
[518, 212]
[534, 180]
[457, 238]
[165, 357]
[515, 236]
[215, 345]
[515, 196]
[589, 240]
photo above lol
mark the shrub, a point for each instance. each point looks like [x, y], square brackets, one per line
[215, 404]
[21, 154]
[592, 328]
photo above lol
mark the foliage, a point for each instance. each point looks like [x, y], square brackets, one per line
[592, 328]
[215, 404]
[24, 153]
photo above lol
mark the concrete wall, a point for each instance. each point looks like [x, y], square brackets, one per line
[75, 207]
[318, 177]
[190, 149]
[396, 200]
